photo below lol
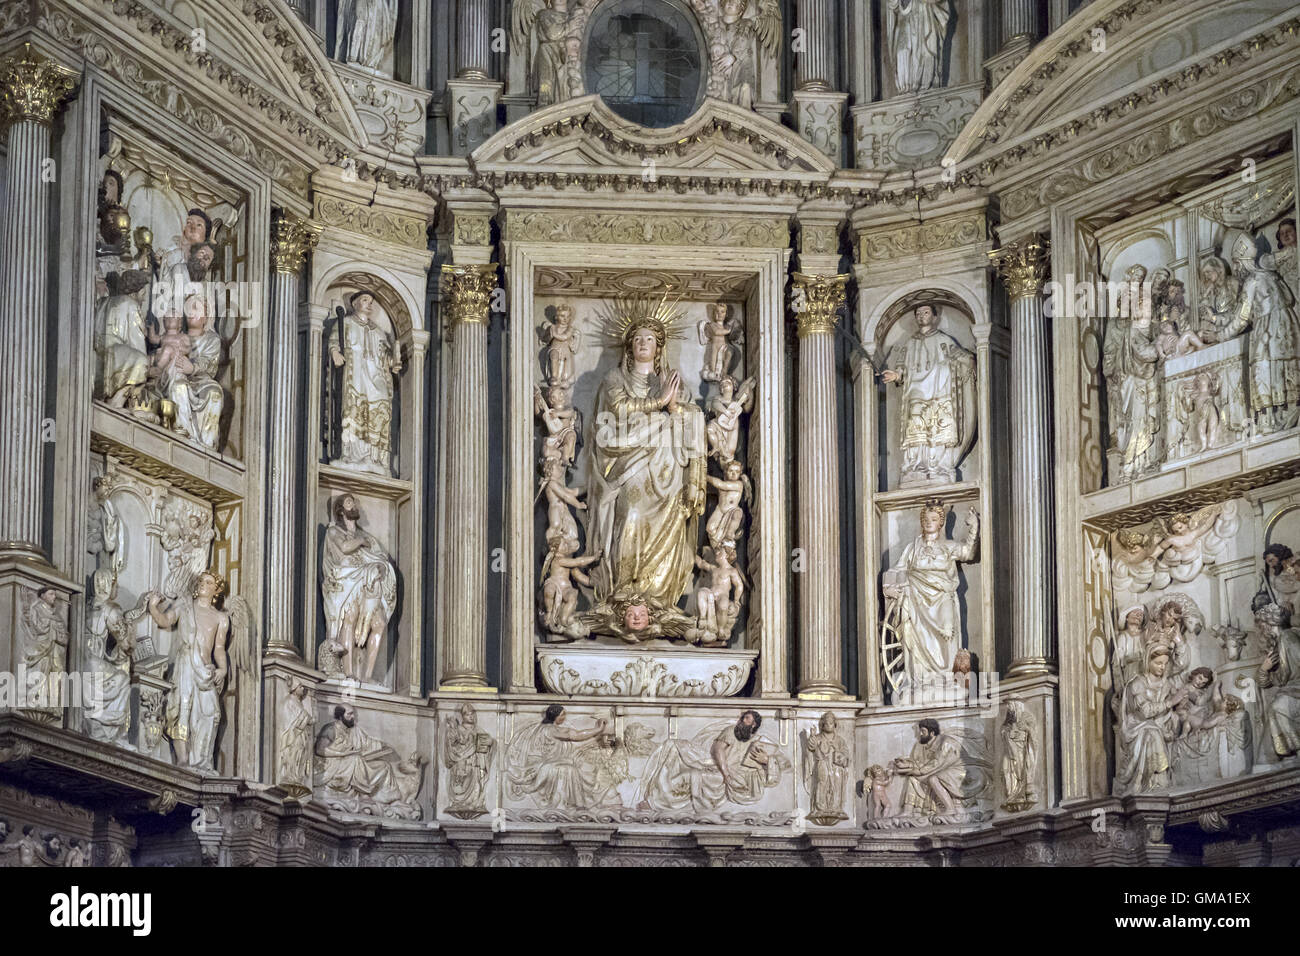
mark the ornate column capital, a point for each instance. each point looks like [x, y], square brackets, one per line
[291, 239]
[823, 297]
[1022, 265]
[469, 288]
[32, 87]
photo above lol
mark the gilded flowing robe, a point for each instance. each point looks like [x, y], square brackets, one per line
[367, 395]
[194, 707]
[916, 40]
[937, 407]
[360, 583]
[122, 347]
[1130, 363]
[1283, 711]
[646, 489]
[1267, 308]
[198, 396]
[930, 627]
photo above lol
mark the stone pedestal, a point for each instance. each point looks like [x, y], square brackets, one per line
[472, 112]
[819, 119]
[149, 690]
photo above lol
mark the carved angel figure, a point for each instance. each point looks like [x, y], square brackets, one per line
[734, 491]
[185, 534]
[562, 338]
[551, 23]
[723, 429]
[1192, 542]
[559, 596]
[738, 30]
[563, 423]
[718, 601]
[716, 333]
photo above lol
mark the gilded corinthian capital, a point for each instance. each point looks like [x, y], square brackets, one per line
[1022, 265]
[470, 290]
[291, 239]
[32, 87]
[821, 298]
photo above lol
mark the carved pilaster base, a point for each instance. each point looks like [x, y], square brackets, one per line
[472, 113]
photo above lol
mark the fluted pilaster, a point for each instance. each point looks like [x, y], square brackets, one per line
[1023, 267]
[818, 300]
[464, 630]
[291, 240]
[32, 90]
[473, 39]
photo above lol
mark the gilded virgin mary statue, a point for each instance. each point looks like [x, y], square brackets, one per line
[647, 480]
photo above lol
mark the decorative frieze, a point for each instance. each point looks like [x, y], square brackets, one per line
[913, 238]
[376, 223]
[628, 229]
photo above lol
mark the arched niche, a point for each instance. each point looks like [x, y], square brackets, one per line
[896, 325]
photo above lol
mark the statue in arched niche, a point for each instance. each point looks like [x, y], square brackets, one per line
[365, 358]
[937, 405]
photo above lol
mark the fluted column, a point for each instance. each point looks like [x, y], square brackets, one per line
[1019, 19]
[32, 90]
[473, 36]
[820, 673]
[291, 240]
[814, 65]
[464, 631]
[1023, 267]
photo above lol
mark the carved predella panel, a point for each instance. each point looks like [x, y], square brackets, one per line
[898, 793]
[173, 300]
[154, 537]
[393, 778]
[935, 440]
[583, 764]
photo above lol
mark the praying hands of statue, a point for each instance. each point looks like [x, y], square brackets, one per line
[668, 391]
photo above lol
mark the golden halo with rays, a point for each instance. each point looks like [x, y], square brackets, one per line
[620, 317]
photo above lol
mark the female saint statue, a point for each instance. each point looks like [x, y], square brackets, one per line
[917, 29]
[647, 484]
[924, 589]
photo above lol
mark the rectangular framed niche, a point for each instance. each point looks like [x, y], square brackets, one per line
[751, 281]
[159, 185]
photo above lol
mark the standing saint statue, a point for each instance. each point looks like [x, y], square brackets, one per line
[368, 359]
[647, 483]
[917, 29]
[923, 593]
[358, 586]
[297, 724]
[1131, 365]
[937, 408]
[367, 29]
[826, 772]
[467, 753]
[1266, 307]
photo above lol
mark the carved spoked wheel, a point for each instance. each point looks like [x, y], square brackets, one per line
[891, 645]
